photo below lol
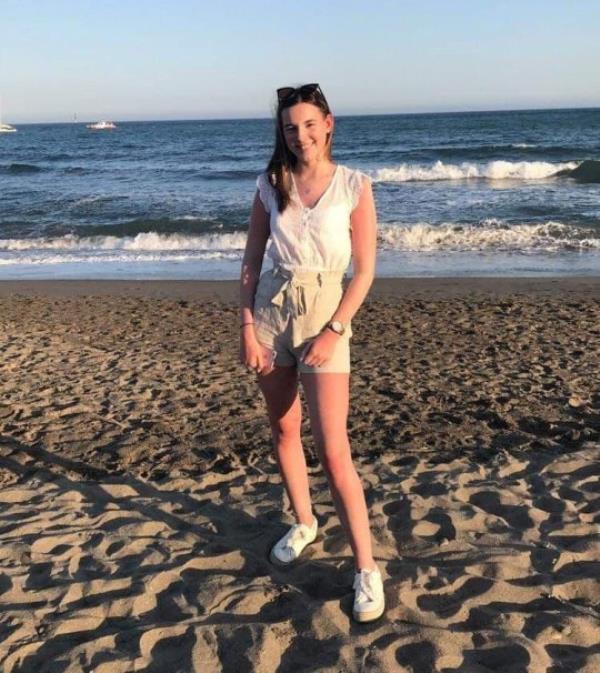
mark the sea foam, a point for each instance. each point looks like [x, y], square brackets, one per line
[493, 170]
[143, 242]
[488, 235]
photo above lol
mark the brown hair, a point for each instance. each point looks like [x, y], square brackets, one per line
[283, 160]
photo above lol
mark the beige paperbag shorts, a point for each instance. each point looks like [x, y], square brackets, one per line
[291, 308]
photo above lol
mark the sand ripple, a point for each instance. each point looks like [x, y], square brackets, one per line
[135, 576]
[139, 497]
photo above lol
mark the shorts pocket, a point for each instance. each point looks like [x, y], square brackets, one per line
[264, 288]
[321, 307]
[266, 314]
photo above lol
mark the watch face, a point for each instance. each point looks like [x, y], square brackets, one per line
[337, 326]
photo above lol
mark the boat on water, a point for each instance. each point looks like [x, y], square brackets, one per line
[5, 128]
[101, 126]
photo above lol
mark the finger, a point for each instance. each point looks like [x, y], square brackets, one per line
[265, 361]
[305, 352]
[316, 362]
[260, 364]
[270, 365]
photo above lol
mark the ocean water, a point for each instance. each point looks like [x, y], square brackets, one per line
[462, 194]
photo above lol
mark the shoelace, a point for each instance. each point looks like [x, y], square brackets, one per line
[362, 582]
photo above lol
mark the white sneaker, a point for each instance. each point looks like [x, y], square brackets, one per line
[289, 548]
[369, 599]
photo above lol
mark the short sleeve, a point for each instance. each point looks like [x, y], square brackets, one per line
[265, 191]
[355, 183]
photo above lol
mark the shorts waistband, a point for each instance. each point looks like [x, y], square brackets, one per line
[296, 281]
[308, 277]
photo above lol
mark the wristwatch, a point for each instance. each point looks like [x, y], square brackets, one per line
[336, 326]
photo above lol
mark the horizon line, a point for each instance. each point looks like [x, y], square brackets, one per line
[337, 116]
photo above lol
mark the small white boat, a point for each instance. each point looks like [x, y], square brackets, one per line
[5, 128]
[101, 126]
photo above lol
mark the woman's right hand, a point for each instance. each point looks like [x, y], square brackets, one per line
[252, 353]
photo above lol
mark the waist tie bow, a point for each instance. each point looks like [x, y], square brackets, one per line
[294, 289]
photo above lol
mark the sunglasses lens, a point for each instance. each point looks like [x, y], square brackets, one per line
[285, 92]
[309, 88]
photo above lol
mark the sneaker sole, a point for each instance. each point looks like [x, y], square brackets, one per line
[285, 564]
[371, 616]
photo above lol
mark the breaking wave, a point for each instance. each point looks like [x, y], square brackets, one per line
[143, 242]
[492, 170]
[488, 235]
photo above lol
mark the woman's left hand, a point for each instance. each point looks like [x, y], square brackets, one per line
[320, 349]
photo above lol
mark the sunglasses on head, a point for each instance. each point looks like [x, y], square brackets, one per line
[286, 92]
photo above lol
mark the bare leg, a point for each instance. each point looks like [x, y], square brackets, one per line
[280, 390]
[328, 399]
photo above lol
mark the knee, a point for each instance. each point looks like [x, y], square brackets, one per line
[288, 426]
[338, 467]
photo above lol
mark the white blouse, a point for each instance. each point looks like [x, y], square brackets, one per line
[317, 238]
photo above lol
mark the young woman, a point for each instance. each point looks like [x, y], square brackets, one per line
[296, 319]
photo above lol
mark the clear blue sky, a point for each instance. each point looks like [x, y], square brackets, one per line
[134, 59]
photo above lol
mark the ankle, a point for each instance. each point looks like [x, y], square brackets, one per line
[366, 566]
[307, 520]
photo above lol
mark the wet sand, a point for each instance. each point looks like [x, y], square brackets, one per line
[139, 496]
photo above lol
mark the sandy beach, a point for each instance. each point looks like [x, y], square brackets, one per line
[139, 496]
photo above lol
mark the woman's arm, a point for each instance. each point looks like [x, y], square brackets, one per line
[364, 248]
[258, 235]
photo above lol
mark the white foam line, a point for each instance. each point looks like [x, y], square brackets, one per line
[493, 170]
[488, 235]
[149, 241]
[42, 259]
[491, 235]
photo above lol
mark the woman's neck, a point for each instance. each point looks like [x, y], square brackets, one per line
[314, 168]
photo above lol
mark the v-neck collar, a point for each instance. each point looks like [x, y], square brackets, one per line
[318, 201]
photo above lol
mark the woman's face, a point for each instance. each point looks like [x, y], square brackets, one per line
[305, 129]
